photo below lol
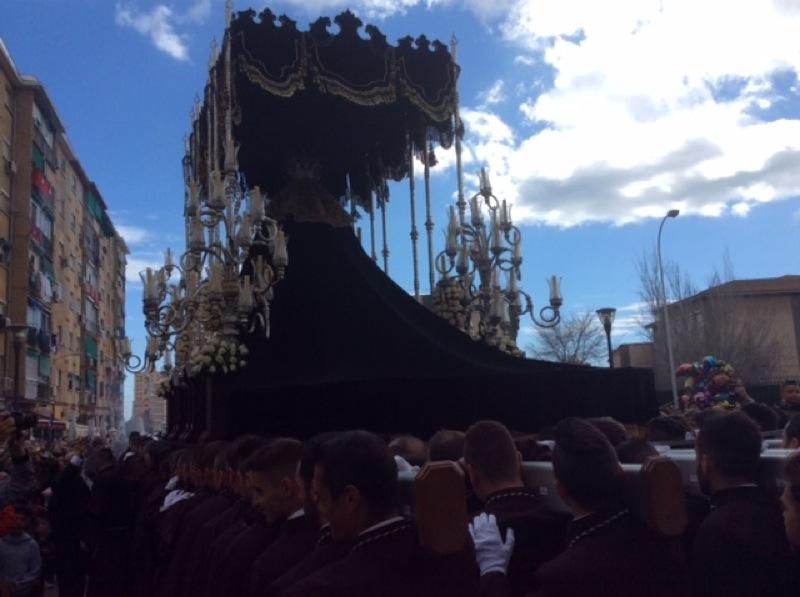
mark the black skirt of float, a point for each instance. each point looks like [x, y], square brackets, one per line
[351, 349]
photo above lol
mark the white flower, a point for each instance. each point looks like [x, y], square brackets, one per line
[212, 369]
[243, 349]
[233, 367]
[242, 363]
[219, 359]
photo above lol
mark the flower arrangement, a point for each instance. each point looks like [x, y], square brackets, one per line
[711, 383]
[217, 356]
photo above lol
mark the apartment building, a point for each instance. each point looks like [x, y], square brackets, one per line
[147, 404]
[62, 264]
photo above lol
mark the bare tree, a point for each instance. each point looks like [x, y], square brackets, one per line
[711, 322]
[578, 339]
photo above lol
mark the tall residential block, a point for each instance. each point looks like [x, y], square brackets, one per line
[147, 404]
[62, 270]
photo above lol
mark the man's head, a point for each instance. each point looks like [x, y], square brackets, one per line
[635, 451]
[791, 433]
[763, 415]
[312, 454]
[728, 450]
[446, 444]
[790, 392]
[355, 483]
[104, 460]
[203, 463]
[492, 459]
[614, 431]
[230, 461]
[412, 449]
[665, 429]
[134, 440]
[587, 472]
[791, 499]
[271, 474]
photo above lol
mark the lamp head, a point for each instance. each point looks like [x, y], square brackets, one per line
[673, 213]
[606, 316]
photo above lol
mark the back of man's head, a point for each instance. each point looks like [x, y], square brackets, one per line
[732, 443]
[490, 450]
[362, 460]
[313, 449]
[410, 448]
[763, 415]
[791, 433]
[614, 431]
[635, 451]
[446, 444]
[665, 429]
[275, 461]
[105, 459]
[585, 464]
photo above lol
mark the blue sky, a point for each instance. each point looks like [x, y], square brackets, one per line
[594, 119]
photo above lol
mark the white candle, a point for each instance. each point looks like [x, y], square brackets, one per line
[512, 283]
[256, 204]
[280, 256]
[168, 258]
[555, 288]
[475, 210]
[486, 186]
[194, 198]
[245, 235]
[462, 258]
[245, 294]
[497, 237]
[517, 251]
[191, 283]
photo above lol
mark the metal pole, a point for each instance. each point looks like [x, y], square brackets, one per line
[607, 327]
[373, 254]
[667, 332]
[414, 233]
[385, 251]
[461, 202]
[429, 220]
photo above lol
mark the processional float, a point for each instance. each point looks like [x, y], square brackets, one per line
[276, 320]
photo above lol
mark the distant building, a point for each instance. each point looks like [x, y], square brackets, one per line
[753, 324]
[62, 269]
[147, 404]
[639, 354]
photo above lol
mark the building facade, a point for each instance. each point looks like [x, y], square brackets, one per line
[61, 292]
[753, 324]
[147, 404]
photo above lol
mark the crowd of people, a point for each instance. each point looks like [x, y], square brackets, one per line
[275, 517]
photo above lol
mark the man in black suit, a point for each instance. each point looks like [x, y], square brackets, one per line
[740, 548]
[493, 464]
[609, 553]
[355, 484]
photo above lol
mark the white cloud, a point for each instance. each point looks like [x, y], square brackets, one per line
[635, 122]
[139, 261]
[493, 95]
[198, 12]
[133, 235]
[158, 26]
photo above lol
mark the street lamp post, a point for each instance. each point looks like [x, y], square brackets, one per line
[673, 213]
[606, 316]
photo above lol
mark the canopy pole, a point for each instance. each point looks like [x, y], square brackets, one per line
[457, 127]
[414, 233]
[373, 254]
[385, 251]
[428, 218]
